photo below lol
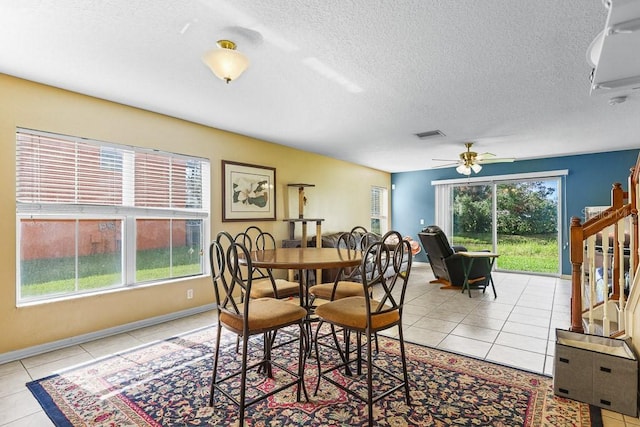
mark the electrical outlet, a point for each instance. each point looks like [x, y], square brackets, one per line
[189, 293]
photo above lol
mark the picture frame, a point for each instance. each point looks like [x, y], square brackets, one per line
[248, 192]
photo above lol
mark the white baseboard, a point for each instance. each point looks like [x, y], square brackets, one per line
[79, 339]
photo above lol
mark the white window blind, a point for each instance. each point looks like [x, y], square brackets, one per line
[376, 202]
[67, 170]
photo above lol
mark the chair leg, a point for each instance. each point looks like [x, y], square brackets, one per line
[359, 352]
[302, 359]
[369, 379]
[403, 356]
[243, 380]
[318, 364]
[377, 347]
[267, 355]
[216, 355]
[346, 335]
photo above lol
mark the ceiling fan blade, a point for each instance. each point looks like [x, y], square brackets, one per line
[496, 160]
[448, 165]
[483, 156]
[445, 160]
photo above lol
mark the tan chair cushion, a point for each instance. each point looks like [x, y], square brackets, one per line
[262, 288]
[344, 289]
[351, 312]
[264, 314]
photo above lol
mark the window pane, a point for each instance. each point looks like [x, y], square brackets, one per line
[100, 254]
[48, 251]
[47, 257]
[187, 246]
[472, 220]
[375, 226]
[527, 215]
[168, 248]
[153, 249]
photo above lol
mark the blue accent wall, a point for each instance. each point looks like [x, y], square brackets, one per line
[588, 183]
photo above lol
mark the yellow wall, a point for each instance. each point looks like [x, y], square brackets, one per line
[341, 196]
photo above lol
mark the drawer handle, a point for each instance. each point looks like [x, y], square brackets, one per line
[607, 370]
[605, 402]
[564, 360]
[563, 390]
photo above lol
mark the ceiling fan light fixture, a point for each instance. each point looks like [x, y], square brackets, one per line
[225, 61]
[463, 169]
[476, 167]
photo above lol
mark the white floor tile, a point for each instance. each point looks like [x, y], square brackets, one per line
[466, 346]
[521, 342]
[517, 358]
[475, 332]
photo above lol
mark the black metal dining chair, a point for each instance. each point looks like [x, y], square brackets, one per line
[379, 308]
[248, 317]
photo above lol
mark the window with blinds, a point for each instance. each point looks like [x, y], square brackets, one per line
[95, 215]
[379, 210]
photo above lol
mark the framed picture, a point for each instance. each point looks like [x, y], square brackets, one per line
[248, 192]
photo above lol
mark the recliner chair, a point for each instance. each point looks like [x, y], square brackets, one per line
[445, 262]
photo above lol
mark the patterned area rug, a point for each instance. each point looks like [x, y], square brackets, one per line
[167, 384]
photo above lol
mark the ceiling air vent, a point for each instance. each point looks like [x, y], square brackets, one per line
[430, 134]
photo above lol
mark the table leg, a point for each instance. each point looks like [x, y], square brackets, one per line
[493, 287]
[467, 270]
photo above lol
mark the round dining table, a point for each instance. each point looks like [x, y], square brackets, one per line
[304, 259]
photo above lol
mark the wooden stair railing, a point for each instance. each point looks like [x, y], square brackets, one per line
[617, 220]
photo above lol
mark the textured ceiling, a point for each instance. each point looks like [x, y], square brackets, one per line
[351, 79]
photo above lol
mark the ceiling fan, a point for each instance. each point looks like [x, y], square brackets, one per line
[471, 161]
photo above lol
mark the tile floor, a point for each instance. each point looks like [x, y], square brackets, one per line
[516, 329]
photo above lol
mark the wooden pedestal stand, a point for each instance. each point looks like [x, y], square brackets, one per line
[301, 219]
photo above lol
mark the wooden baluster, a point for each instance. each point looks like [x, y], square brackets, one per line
[591, 256]
[577, 255]
[606, 327]
[620, 278]
[633, 248]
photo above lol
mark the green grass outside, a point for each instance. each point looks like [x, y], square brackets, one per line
[535, 253]
[101, 271]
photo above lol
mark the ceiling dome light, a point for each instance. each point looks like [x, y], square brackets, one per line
[226, 62]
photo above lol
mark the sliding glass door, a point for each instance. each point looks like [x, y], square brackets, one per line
[518, 219]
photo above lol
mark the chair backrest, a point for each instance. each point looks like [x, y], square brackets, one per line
[249, 236]
[390, 289]
[227, 297]
[359, 229]
[368, 238]
[437, 247]
[348, 247]
[438, 241]
[265, 241]
[254, 239]
[231, 282]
